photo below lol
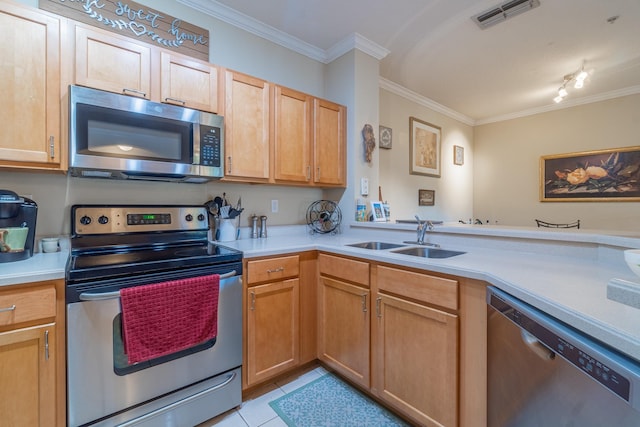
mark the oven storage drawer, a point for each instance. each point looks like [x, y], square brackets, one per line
[27, 304]
[186, 407]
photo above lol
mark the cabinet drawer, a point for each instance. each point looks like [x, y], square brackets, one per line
[418, 286]
[24, 305]
[344, 268]
[272, 269]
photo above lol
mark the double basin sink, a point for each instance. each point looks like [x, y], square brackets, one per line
[418, 251]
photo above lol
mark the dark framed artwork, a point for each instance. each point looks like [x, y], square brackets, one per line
[424, 148]
[386, 137]
[610, 175]
[426, 197]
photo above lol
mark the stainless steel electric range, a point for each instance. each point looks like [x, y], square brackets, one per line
[121, 246]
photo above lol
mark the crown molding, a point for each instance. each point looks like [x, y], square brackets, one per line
[567, 103]
[258, 28]
[267, 32]
[356, 41]
[424, 101]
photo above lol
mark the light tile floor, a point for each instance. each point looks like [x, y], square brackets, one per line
[255, 410]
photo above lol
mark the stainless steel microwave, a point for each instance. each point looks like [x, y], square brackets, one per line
[124, 137]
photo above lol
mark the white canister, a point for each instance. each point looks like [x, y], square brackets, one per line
[228, 230]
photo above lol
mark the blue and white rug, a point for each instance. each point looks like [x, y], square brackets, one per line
[329, 402]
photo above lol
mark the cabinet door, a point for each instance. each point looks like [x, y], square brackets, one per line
[30, 87]
[329, 143]
[27, 375]
[416, 354]
[188, 82]
[292, 136]
[247, 128]
[272, 329]
[343, 337]
[110, 62]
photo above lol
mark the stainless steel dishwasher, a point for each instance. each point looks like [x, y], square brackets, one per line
[542, 372]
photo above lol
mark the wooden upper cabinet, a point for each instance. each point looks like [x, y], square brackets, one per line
[113, 63]
[292, 135]
[188, 82]
[30, 87]
[247, 128]
[329, 144]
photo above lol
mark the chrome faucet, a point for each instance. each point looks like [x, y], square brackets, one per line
[423, 227]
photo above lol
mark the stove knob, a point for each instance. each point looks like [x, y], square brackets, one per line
[85, 220]
[189, 217]
[103, 219]
[200, 217]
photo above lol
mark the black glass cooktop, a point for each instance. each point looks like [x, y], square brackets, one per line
[116, 262]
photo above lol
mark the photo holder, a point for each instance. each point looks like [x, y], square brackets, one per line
[377, 211]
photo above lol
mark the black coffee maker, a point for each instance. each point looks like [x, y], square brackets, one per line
[16, 211]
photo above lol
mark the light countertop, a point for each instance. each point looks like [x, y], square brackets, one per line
[564, 273]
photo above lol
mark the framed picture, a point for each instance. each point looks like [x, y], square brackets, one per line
[611, 175]
[458, 155]
[377, 211]
[424, 148]
[426, 197]
[385, 137]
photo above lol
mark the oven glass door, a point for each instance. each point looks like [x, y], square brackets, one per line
[95, 390]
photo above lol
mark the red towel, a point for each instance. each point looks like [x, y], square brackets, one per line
[167, 317]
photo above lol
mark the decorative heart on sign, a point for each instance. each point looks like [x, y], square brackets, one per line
[138, 29]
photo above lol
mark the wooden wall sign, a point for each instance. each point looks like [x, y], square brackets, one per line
[136, 21]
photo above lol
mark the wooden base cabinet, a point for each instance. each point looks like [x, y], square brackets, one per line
[27, 375]
[32, 355]
[272, 318]
[415, 346]
[343, 310]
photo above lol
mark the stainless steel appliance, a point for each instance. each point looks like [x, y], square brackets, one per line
[18, 212]
[544, 373]
[114, 247]
[124, 137]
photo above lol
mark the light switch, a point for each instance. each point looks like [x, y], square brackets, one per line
[364, 186]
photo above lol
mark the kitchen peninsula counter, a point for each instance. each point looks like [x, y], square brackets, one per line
[564, 273]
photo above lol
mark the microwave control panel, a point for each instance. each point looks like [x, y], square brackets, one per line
[210, 146]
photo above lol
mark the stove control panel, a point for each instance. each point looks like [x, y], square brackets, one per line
[98, 219]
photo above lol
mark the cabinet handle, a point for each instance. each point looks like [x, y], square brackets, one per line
[46, 345]
[134, 91]
[229, 158]
[12, 308]
[253, 301]
[276, 270]
[378, 312]
[364, 303]
[318, 174]
[52, 147]
[175, 100]
[308, 173]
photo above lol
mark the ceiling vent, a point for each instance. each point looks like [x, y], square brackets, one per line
[503, 11]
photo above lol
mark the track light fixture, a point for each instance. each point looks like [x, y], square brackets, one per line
[576, 78]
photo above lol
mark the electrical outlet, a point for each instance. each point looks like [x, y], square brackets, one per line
[364, 186]
[274, 206]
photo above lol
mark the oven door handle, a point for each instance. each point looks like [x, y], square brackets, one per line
[88, 296]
